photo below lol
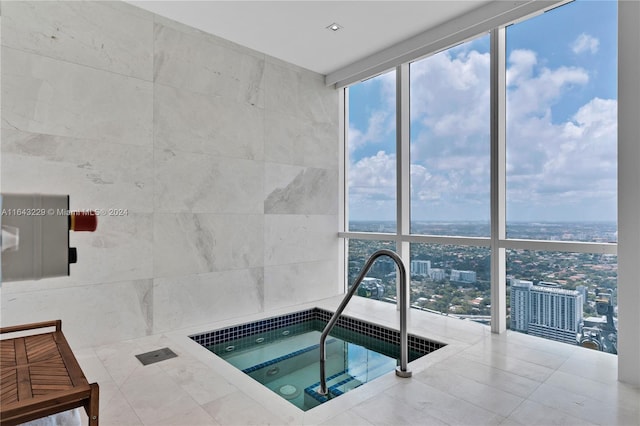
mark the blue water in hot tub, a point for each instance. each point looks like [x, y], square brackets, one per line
[286, 360]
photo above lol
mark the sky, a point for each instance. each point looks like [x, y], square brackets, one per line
[561, 126]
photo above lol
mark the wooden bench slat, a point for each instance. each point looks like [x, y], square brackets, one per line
[41, 376]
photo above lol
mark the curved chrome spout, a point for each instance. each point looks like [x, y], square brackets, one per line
[402, 370]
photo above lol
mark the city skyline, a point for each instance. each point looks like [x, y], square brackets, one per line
[455, 280]
[584, 231]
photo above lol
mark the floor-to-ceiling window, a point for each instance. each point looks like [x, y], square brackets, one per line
[371, 178]
[372, 155]
[557, 168]
[561, 171]
[450, 141]
[450, 180]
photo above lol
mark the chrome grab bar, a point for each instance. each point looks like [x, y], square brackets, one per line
[402, 370]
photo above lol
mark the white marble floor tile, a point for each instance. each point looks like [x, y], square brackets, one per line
[387, 410]
[348, 418]
[617, 393]
[513, 365]
[92, 366]
[503, 380]
[199, 381]
[119, 359]
[533, 413]
[498, 344]
[585, 408]
[510, 422]
[593, 365]
[537, 343]
[117, 411]
[447, 408]
[191, 417]
[157, 341]
[239, 409]
[154, 396]
[488, 397]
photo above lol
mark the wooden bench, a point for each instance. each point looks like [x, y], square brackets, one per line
[40, 376]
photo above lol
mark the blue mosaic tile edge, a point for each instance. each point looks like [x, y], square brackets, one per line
[333, 389]
[309, 390]
[417, 344]
[282, 358]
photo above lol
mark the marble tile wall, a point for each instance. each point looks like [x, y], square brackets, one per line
[224, 159]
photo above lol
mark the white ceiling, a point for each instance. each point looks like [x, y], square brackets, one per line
[295, 31]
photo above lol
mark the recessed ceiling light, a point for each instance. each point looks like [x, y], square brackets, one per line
[334, 27]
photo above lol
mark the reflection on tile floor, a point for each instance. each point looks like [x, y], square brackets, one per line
[478, 378]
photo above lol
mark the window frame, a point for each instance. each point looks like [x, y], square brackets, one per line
[497, 242]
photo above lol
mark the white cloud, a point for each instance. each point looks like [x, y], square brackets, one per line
[374, 176]
[380, 123]
[449, 179]
[521, 66]
[568, 167]
[587, 150]
[450, 94]
[372, 187]
[534, 91]
[380, 126]
[557, 168]
[585, 43]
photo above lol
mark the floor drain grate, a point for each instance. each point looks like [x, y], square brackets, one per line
[156, 356]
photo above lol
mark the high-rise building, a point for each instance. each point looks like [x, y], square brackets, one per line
[520, 291]
[420, 267]
[463, 276]
[437, 274]
[583, 291]
[545, 310]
